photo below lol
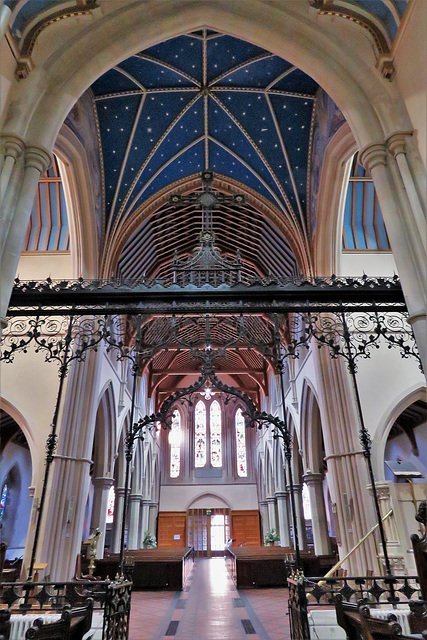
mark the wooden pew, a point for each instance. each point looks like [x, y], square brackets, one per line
[152, 568]
[73, 625]
[357, 622]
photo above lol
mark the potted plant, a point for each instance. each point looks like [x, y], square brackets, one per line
[149, 541]
[271, 537]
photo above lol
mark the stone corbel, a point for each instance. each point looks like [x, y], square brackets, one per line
[385, 62]
[373, 155]
[25, 63]
[12, 147]
[37, 158]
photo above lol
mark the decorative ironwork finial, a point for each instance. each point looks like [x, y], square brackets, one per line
[207, 266]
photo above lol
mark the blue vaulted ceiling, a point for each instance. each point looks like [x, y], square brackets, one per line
[205, 100]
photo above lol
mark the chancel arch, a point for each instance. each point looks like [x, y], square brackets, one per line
[185, 187]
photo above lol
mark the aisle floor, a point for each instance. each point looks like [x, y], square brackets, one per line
[210, 608]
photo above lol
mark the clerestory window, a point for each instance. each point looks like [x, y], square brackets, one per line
[207, 434]
[175, 444]
[242, 467]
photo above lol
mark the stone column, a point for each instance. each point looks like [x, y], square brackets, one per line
[117, 520]
[144, 515]
[12, 234]
[396, 144]
[406, 230]
[283, 518]
[347, 471]
[271, 507]
[152, 517]
[5, 13]
[302, 535]
[62, 526]
[13, 147]
[319, 522]
[133, 528]
[99, 510]
[264, 517]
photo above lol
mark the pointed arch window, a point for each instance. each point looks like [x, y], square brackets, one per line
[242, 466]
[215, 432]
[200, 434]
[306, 505]
[175, 444]
[3, 500]
[110, 507]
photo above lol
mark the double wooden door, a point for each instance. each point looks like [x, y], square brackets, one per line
[208, 531]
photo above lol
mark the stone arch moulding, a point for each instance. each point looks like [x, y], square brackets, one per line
[311, 434]
[380, 439]
[355, 85]
[78, 192]
[330, 206]
[23, 425]
[208, 496]
[105, 429]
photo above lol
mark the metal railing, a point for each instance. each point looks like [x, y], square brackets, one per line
[376, 591]
[112, 598]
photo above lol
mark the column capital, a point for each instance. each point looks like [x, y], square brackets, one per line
[281, 495]
[102, 482]
[13, 145]
[135, 497]
[313, 478]
[146, 502]
[119, 491]
[37, 158]
[270, 500]
[154, 504]
[396, 142]
[262, 503]
[373, 155]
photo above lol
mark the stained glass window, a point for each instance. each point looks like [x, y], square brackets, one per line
[242, 467]
[215, 429]
[110, 507]
[306, 502]
[175, 444]
[200, 434]
[3, 499]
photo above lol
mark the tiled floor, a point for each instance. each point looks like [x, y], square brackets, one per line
[210, 608]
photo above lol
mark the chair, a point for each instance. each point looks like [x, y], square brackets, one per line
[358, 624]
[73, 625]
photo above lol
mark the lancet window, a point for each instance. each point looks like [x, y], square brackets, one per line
[242, 467]
[3, 499]
[110, 507]
[175, 444]
[200, 434]
[215, 429]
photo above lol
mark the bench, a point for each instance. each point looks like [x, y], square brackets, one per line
[73, 625]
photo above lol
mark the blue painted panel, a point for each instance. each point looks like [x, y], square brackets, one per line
[348, 229]
[151, 73]
[183, 52]
[259, 73]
